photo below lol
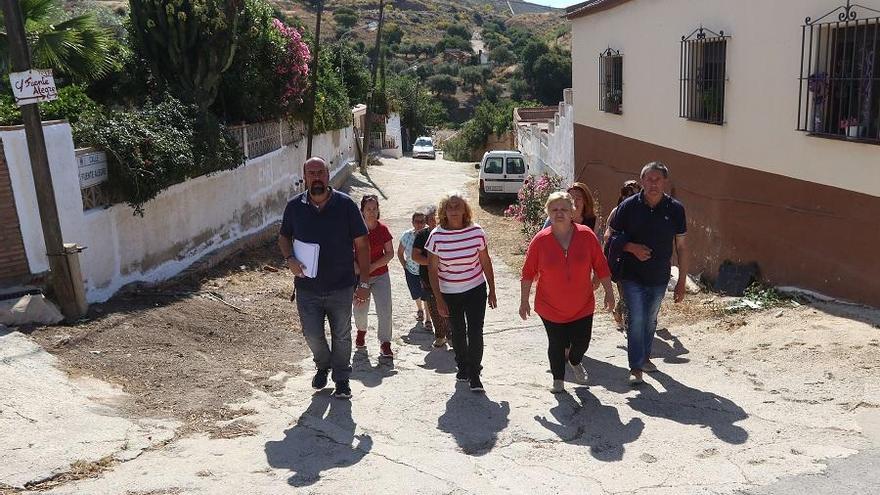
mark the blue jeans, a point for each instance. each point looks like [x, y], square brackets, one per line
[335, 306]
[643, 304]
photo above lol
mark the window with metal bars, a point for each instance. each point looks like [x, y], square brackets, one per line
[703, 76]
[839, 93]
[611, 81]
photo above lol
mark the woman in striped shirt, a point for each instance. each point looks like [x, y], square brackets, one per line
[460, 270]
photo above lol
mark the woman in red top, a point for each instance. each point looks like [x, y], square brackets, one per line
[563, 258]
[381, 252]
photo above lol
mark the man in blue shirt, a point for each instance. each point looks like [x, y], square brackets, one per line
[652, 223]
[330, 219]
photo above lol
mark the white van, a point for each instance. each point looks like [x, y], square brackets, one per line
[502, 174]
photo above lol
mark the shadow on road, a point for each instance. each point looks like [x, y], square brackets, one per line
[691, 406]
[317, 443]
[474, 420]
[669, 348]
[592, 425]
[368, 374]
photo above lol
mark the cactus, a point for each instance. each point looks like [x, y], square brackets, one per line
[189, 43]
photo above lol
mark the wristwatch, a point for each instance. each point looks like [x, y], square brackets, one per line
[363, 285]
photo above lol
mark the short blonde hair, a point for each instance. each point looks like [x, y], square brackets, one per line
[558, 196]
[467, 219]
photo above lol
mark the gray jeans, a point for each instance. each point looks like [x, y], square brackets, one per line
[335, 306]
[380, 290]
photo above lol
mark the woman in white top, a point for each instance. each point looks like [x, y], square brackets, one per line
[460, 270]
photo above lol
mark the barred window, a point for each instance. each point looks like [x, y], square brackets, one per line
[839, 93]
[703, 78]
[611, 81]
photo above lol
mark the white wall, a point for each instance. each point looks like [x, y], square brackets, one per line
[393, 130]
[763, 66]
[180, 225]
[551, 152]
[62, 163]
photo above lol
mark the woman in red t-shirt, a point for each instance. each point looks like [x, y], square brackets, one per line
[562, 258]
[381, 252]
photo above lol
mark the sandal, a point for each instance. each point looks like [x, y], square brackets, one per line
[420, 315]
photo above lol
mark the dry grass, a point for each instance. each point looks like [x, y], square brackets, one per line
[79, 470]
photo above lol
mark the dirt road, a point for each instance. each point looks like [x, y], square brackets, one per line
[738, 404]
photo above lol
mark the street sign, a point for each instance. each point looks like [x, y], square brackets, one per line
[33, 86]
[92, 168]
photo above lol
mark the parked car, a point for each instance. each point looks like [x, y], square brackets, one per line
[502, 174]
[424, 147]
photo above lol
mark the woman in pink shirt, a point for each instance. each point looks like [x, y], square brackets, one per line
[460, 270]
[563, 258]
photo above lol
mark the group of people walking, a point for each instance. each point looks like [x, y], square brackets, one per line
[449, 274]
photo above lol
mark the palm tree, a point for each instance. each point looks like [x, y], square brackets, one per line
[77, 47]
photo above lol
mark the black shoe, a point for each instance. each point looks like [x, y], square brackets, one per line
[320, 379]
[476, 384]
[343, 390]
[461, 376]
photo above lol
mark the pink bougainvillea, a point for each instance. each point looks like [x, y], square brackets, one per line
[529, 206]
[295, 66]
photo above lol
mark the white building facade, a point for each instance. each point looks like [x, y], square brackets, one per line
[767, 114]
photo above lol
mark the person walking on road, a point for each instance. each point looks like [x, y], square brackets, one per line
[323, 217]
[629, 188]
[411, 269]
[584, 206]
[381, 252]
[420, 256]
[652, 224]
[462, 280]
[563, 258]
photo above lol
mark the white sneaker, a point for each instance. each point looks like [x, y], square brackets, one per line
[558, 386]
[580, 374]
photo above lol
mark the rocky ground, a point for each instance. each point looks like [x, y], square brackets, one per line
[202, 386]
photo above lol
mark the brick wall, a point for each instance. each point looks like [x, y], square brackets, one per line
[13, 262]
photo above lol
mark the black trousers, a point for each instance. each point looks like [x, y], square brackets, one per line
[574, 334]
[467, 311]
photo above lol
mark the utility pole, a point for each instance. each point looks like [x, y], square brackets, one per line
[316, 61]
[370, 96]
[60, 277]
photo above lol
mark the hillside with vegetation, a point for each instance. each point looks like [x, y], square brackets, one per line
[460, 64]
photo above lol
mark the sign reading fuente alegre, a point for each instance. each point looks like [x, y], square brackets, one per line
[33, 86]
[92, 168]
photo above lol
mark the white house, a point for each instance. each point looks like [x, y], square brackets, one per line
[767, 114]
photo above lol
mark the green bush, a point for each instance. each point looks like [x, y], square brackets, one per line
[261, 49]
[332, 110]
[442, 84]
[72, 104]
[157, 146]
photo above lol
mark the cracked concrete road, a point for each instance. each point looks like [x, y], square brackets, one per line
[723, 416]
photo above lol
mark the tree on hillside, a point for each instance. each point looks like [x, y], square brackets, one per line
[75, 46]
[459, 30]
[502, 56]
[472, 76]
[442, 84]
[345, 17]
[530, 55]
[392, 34]
[552, 74]
[453, 42]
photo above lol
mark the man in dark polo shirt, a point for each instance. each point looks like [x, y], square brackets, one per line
[331, 219]
[652, 223]
[420, 256]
